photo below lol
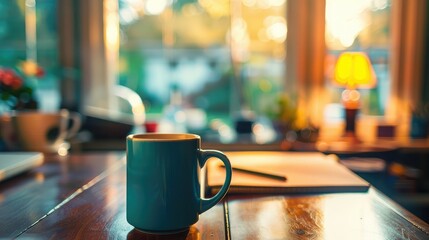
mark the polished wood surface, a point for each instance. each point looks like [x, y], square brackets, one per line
[83, 197]
[26, 199]
[335, 216]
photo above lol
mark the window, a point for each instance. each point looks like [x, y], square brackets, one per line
[235, 56]
[223, 56]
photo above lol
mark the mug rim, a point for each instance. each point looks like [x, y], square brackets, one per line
[162, 137]
[34, 112]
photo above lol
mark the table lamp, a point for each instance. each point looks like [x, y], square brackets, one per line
[353, 71]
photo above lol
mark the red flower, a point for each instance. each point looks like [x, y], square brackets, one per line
[15, 91]
[40, 72]
[9, 78]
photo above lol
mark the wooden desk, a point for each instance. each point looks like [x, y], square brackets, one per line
[83, 197]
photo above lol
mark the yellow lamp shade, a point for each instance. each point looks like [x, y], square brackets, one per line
[354, 70]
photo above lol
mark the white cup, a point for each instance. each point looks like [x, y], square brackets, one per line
[42, 131]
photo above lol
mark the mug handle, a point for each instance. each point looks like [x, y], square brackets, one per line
[206, 204]
[76, 123]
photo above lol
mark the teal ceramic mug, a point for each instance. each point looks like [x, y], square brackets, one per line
[163, 188]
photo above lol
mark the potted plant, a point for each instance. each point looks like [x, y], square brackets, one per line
[17, 86]
[283, 114]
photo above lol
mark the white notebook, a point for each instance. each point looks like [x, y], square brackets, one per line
[13, 163]
[305, 172]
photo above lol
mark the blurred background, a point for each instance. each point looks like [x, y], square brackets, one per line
[218, 62]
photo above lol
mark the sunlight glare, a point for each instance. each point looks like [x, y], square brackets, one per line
[345, 19]
[156, 7]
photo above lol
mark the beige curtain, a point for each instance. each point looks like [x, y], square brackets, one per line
[408, 31]
[99, 52]
[305, 58]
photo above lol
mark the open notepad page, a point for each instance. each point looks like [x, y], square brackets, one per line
[13, 163]
[305, 172]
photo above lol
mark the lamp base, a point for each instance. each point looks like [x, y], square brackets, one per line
[350, 137]
[350, 128]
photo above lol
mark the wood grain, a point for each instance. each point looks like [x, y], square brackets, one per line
[99, 213]
[83, 197]
[329, 216]
[27, 198]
